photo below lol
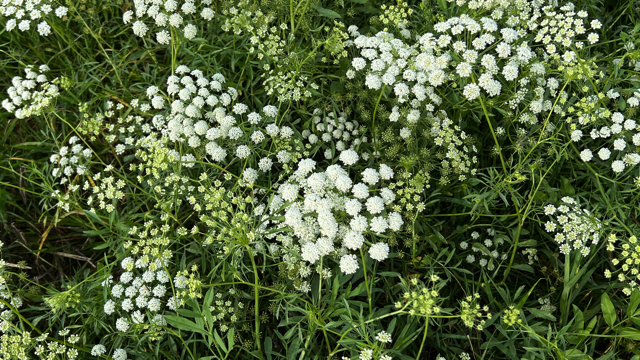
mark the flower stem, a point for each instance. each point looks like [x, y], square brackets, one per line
[373, 124]
[424, 337]
[256, 299]
[366, 281]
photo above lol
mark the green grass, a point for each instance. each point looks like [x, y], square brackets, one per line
[245, 300]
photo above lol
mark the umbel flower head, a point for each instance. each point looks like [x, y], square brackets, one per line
[472, 313]
[164, 16]
[487, 251]
[574, 228]
[511, 316]
[626, 261]
[21, 14]
[422, 301]
[31, 95]
[612, 138]
[202, 113]
[335, 133]
[329, 213]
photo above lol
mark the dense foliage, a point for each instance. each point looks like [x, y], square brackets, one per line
[313, 179]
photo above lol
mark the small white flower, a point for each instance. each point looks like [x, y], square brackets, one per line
[98, 350]
[24, 25]
[348, 264]
[353, 240]
[383, 337]
[207, 13]
[471, 91]
[618, 166]
[370, 176]
[375, 205]
[44, 29]
[119, 354]
[61, 11]
[190, 31]
[576, 135]
[163, 37]
[379, 251]
[122, 325]
[127, 16]
[349, 157]
[139, 28]
[619, 144]
[586, 155]
[604, 154]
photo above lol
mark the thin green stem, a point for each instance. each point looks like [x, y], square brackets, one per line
[373, 124]
[256, 292]
[366, 281]
[424, 337]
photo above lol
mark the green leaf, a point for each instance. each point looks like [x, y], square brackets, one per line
[523, 267]
[482, 248]
[608, 311]
[541, 314]
[576, 354]
[105, 245]
[188, 313]
[326, 12]
[208, 298]
[230, 339]
[390, 274]
[565, 187]
[93, 216]
[96, 232]
[622, 104]
[633, 303]
[358, 290]
[528, 243]
[219, 341]
[268, 347]
[184, 324]
[629, 333]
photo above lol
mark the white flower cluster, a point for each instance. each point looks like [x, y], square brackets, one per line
[54, 349]
[467, 51]
[225, 310]
[620, 135]
[31, 95]
[204, 116]
[575, 228]
[368, 354]
[560, 29]
[335, 133]
[479, 55]
[71, 159]
[488, 252]
[167, 16]
[288, 85]
[20, 14]
[546, 305]
[119, 354]
[626, 261]
[329, 215]
[459, 159]
[141, 292]
[6, 314]
[265, 38]
[75, 157]
[265, 34]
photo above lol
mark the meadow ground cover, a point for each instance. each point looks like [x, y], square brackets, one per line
[314, 179]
